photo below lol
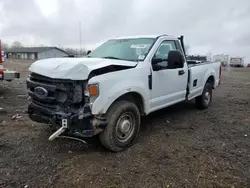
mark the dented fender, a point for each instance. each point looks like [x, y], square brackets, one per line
[113, 85]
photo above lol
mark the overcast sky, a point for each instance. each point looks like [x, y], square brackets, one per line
[218, 26]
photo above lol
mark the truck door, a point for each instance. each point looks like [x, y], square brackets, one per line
[168, 85]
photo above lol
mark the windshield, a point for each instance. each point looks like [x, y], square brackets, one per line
[124, 49]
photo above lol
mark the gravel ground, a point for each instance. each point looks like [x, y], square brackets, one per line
[180, 146]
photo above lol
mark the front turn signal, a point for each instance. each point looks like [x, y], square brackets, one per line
[93, 90]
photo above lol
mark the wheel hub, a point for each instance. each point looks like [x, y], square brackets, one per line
[125, 126]
[207, 97]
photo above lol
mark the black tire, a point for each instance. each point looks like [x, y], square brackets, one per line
[202, 102]
[111, 137]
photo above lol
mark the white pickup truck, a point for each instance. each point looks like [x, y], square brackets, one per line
[108, 91]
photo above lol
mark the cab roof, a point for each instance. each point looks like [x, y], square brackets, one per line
[147, 36]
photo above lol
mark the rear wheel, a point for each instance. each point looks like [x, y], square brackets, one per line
[123, 126]
[205, 99]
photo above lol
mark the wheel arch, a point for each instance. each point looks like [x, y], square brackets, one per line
[134, 97]
[211, 80]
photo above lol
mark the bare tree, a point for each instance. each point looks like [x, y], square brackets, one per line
[187, 49]
[74, 51]
[16, 44]
[5, 46]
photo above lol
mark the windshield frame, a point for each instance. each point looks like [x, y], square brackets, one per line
[136, 60]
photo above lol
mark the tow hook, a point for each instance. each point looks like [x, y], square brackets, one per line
[59, 131]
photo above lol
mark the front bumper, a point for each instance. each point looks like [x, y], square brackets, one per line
[81, 124]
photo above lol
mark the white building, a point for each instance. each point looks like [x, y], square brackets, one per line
[224, 59]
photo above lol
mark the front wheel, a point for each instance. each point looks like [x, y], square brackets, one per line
[123, 126]
[203, 101]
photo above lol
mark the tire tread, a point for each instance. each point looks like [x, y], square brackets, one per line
[106, 137]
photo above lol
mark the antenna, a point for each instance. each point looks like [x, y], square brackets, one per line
[80, 35]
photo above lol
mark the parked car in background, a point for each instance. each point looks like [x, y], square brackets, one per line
[7, 75]
[3, 56]
[236, 62]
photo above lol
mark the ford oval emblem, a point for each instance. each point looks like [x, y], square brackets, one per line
[41, 92]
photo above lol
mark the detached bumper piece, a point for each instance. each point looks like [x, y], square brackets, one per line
[72, 125]
[59, 131]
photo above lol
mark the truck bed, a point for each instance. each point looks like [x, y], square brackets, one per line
[199, 74]
[192, 63]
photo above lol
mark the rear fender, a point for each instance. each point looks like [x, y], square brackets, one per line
[201, 79]
[208, 75]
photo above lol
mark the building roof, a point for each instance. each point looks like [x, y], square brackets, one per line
[32, 49]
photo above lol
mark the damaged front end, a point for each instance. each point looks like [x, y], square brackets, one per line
[64, 104]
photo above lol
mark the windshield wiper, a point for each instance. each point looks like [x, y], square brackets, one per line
[111, 57]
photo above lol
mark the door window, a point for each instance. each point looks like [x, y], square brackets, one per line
[163, 50]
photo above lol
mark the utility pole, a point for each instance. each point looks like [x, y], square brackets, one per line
[80, 35]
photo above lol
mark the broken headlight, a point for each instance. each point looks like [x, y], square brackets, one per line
[77, 97]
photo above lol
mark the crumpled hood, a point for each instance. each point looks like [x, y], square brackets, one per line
[73, 68]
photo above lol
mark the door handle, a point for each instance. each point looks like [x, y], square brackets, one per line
[181, 72]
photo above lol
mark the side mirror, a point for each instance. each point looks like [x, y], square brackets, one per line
[156, 60]
[88, 52]
[156, 66]
[175, 59]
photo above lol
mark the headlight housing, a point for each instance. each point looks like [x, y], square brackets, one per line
[86, 90]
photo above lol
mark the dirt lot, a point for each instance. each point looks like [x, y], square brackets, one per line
[178, 147]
